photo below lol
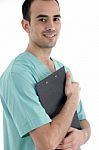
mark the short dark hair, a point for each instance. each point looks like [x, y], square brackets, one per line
[26, 8]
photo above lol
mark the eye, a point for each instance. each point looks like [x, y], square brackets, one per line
[42, 19]
[56, 19]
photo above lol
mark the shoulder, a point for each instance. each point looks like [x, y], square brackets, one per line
[19, 70]
[22, 63]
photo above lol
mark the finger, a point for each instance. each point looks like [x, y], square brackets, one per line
[71, 129]
[67, 139]
[68, 78]
[68, 84]
[65, 146]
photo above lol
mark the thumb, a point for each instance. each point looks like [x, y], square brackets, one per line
[68, 84]
[68, 78]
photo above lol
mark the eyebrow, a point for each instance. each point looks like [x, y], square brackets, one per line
[45, 16]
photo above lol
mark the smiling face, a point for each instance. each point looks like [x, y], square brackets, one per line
[44, 26]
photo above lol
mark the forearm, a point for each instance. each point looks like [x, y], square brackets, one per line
[86, 130]
[76, 137]
[62, 122]
[49, 136]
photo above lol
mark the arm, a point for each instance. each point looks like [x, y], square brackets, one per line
[86, 130]
[48, 136]
[76, 138]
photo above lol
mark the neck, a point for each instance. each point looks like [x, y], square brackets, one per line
[43, 55]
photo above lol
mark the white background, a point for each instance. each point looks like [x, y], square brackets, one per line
[77, 48]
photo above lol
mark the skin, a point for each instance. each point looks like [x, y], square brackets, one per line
[43, 31]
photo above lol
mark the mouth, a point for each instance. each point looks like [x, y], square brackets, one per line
[49, 35]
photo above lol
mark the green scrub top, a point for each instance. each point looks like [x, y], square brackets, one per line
[23, 111]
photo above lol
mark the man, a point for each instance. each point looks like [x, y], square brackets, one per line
[26, 124]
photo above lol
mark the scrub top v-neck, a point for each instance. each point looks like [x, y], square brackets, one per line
[23, 111]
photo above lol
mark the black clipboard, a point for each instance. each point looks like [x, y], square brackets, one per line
[52, 95]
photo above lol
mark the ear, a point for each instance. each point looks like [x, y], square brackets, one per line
[25, 25]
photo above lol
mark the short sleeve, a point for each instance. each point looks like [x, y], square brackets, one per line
[80, 111]
[23, 103]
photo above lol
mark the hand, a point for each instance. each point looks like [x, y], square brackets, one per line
[72, 89]
[73, 141]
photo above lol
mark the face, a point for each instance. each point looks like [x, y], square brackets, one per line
[44, 24]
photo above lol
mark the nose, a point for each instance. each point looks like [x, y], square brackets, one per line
[50, 25]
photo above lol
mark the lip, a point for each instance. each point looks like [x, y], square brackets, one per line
[49, 35]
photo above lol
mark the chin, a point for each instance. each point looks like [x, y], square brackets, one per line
[46, 45]
[50, 46]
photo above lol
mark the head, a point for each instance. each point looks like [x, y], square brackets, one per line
[41, 20]
[26, 8]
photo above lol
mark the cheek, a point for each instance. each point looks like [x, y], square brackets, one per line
[35, 33]
[58, 30]
[58, 27]
[37, 29]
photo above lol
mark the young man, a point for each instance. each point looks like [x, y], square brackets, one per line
[26, 124]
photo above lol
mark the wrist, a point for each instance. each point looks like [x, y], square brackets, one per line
[73, 100]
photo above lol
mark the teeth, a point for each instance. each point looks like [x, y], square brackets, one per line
[49, 36]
